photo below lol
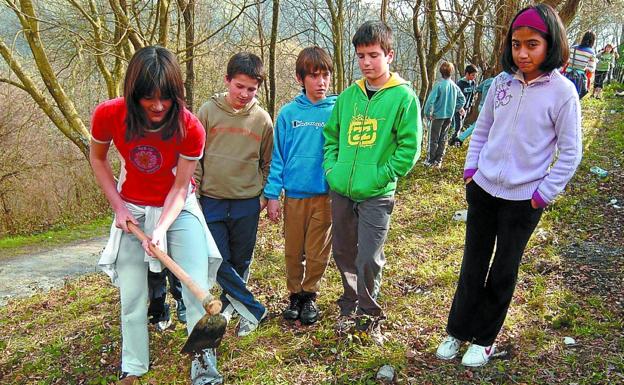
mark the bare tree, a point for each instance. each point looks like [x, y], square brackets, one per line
[336, 11]
[109, 42]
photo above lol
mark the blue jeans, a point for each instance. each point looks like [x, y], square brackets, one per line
[236, 239]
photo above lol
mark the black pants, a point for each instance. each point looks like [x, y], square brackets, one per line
[157, 285]
[483, 293]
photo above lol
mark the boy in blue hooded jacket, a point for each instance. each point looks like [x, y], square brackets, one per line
[297, 170]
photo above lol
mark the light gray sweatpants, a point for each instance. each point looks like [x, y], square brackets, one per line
[359, 232]
[185, 246]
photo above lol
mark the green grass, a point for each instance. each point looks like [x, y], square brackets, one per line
[72, 335]
[61, 235]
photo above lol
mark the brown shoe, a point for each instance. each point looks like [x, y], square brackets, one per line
[128, 379]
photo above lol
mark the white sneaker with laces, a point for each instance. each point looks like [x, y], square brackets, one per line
[448, 349]
[478, 355]
[246, 327]
[161, 326]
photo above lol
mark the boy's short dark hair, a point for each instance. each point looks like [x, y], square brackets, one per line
[311, 60]
[373, 32]
[558, 49]
[471, 69]
[246, 63]
[446, 69]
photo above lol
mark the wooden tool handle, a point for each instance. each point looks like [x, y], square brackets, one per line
[172, 266]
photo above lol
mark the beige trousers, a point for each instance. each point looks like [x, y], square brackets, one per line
[307, 233]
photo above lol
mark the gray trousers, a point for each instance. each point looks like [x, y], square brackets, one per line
[437, 139]
[359, 232]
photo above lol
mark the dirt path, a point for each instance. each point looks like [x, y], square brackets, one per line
[27, 274]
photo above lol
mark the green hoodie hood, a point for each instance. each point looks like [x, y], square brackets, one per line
[370, 143]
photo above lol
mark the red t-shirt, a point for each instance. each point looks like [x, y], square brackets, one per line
[149, 162]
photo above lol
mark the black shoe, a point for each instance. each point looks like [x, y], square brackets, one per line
[291, 313]
[309, 310]
[455, 142]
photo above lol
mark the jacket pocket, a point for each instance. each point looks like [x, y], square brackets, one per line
[229, 177]
[305, 174]
[338, 177]
[367, 181]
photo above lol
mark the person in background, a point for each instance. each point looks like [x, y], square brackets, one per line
[443, 102]
[606, 59]
[482, 89]
[582, 63]
[467, 86]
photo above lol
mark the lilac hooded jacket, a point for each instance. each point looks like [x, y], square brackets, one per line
[519, 131]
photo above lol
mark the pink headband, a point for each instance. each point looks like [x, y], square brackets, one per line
[530, 18]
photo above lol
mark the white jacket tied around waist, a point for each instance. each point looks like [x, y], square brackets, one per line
[108, 259]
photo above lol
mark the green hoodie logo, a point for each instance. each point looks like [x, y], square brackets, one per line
[362, 132]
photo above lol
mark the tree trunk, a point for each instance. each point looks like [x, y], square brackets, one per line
[187, 9]
[505, 11]
[420, 49]
[336, 11]
[383, 11]
[435, 53]
[163, 22]
[72, 126]
[477, 48]
[272, 49]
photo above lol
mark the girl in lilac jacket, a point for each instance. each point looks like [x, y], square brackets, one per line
[531, 117]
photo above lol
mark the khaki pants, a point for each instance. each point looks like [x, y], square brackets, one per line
[307, 233]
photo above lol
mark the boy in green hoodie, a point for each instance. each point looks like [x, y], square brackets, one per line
[230, 178]
[372, 137]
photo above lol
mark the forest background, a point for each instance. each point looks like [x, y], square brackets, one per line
[63, 57]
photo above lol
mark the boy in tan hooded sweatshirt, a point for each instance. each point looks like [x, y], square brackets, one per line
[231, 176]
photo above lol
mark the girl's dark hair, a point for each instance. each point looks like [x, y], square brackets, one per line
[588, 40]
[153, 69]
[558, 50]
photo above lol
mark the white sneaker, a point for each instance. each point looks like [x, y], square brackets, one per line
[228, 312]
[161, 326]
[478, 355]
[246, 327]
[448, 348]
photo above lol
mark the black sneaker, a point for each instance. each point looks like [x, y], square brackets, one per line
[309, 310]
[291, 313]
[161, 320]
[455, 142]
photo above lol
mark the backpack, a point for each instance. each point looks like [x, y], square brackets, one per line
[578, 78]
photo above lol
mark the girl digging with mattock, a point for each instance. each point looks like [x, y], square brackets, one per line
[159, 142]
[530, 114]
